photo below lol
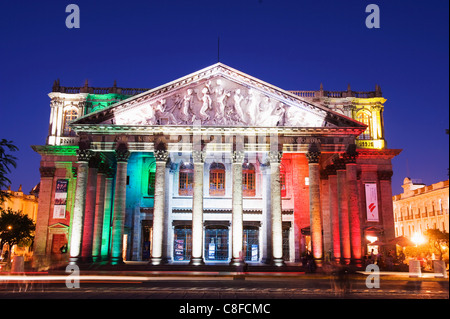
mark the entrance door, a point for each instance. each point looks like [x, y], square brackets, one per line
[216, 243]
[182, 243]
[58, 240]
[251, 243]
[146, 239]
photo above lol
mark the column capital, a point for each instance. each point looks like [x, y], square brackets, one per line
[84, 155]
[350, 155]
[313, 157]
[238, 157]
[198, 156]
[275, 157]
[161, 155]
[122, 155]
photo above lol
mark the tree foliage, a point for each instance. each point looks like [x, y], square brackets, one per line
[6, 162]
[15, 227]
[437, 240]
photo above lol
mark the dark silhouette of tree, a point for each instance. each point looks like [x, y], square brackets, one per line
[15, 228]
[6, 162]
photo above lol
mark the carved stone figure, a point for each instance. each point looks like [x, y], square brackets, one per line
[206, 99]
[237, 105]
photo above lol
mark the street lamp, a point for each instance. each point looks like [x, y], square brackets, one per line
[418, 239]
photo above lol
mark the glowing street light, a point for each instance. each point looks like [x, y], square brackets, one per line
[418, 239]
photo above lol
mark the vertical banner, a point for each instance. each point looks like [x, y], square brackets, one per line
[59, 209]
[371, 202]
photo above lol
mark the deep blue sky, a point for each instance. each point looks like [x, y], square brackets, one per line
[295, 45]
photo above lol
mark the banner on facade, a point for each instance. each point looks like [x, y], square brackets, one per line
[59, 209]
[371, 202]
[179, 249]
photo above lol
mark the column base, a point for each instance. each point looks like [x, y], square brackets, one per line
[116, 261]
[74, 260]
[237, 262]
[155, 261]
[196, 261]
[357, 263]
[278, 262]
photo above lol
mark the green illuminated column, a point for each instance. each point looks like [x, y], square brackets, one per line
[161, 157]
[109, 187]
[275, 200]
[237, 213]
[119, 206]
[99, 212]
[78, 211]
[197, 210]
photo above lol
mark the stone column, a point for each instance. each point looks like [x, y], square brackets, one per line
[197, 209]
[161, 157]
[275, 200]
[314, 205]
[89, 211]
[109, 188]
[344, 226]
[353, 205]
[238, 257]
[79, 206]
[119, 206]
[99, 212]
[334, 212]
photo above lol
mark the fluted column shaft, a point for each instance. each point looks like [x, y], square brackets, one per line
[275, 200]
[314, 205]
[237, 210]
[197, 210]
[158, 208]
[119, 207]
[79, 205]
[344, 223]
[99, 212]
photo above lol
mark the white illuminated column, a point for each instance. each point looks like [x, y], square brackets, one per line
[79, 206]
[197, 210]
[237, 210]
[99, 212]
[119, 206]
[275, 200]
[158, 208]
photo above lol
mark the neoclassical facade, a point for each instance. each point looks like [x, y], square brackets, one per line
[421, 207]
[214, 167]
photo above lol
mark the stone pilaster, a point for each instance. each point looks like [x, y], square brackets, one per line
[161, 157]
[275, 200]
[84, 156]
[314, 205]
[238, 257]
[197, 209]
[122, 156]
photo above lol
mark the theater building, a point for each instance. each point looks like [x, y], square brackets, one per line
[214, 167]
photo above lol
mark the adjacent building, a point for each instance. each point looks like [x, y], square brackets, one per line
[216, 166]
[421, 207]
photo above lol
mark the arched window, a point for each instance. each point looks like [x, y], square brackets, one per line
[248, 180]
[69, 116]
[365, 118]
[217, 179]
[283, 180]
[186, 179]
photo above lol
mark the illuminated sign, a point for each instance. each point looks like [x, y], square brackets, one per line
[371, 202]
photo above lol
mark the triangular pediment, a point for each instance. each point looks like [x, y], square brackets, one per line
[218, 96]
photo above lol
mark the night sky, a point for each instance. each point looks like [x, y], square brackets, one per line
[295, 45]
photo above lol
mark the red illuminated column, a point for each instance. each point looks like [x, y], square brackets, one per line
[89, 214]
[122, 155]
[314, 205]
[79, 206]
[353, 206]
[344, 224]
[99, 212]
[334, 212]
[161, 157]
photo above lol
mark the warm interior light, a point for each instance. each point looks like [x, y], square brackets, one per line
[418, 239]
[372, 239]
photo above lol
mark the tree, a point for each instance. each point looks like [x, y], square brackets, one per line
[6, 161]
[15, 227]
[437, 240]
